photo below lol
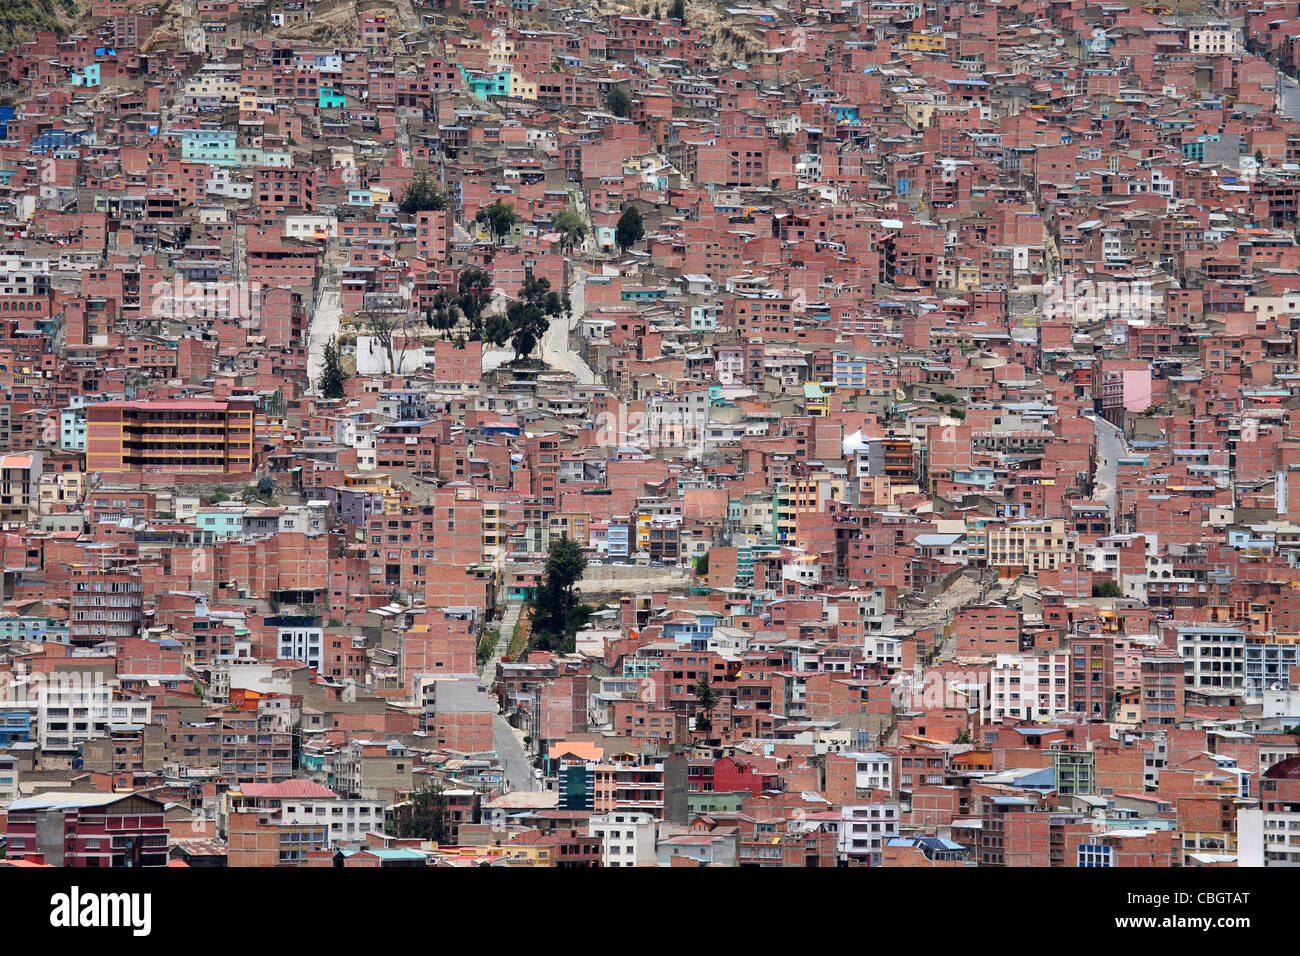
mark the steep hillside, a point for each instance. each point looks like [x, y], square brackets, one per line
[19, 19]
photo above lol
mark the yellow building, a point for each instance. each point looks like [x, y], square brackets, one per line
[806, 495]
[522, 89]
[494, 527]
[1027, 547]
[575, 527]
[379, 483]
[925, 42]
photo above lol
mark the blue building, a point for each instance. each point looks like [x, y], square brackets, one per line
[618, 537]
[15, 725]
[215, 146]
[72, 429]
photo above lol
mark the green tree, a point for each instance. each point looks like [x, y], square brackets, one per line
[568, 222]
[473, 288]
[963, 738]
[530, 315]
[424, 816]
[702, 565]
[500, 218]
[556, 613]
[678, 11]
[630, 230]
[496, 329]
[707, 698]
[618, 102]
[421, 196]
[266, 488]
[1107, 589]
[443, 313]
[331, 381]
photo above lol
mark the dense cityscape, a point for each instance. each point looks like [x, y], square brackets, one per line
[524, 433]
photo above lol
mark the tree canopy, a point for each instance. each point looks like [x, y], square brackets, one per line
[443, 313]
[568, 222]
[702, 565]
[421, 196]
[500, 218]
[332, 378]
[630, 229]
[618, 102]
[423, 817]
[557, 613]
[707, 698]
[473, 289]
[530, 315]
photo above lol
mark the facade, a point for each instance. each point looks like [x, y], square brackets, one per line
[88, 830]
[300, 803]
[170, 436]
[627, 839]
[103, 605]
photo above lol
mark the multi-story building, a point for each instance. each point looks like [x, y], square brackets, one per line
[863, 831]
[171, 435]
[653, 785]
[19, 487]
[250, 754]
[73, 711]
[8, 779]
[1015, 831]
[301, 802]
[103, 605]
[1214, 657]
[627, 838]
[1030, 546]
[88, 829]
[1028, 687]
[1279, 803]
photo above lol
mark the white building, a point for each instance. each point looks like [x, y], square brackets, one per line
[1214, 39]
[71, 711]
[1215, 657]
[303, 802]
[627, 837]
[1028, 687]
[874, 771]
[864, 830]
[8, 779]
[301, 643]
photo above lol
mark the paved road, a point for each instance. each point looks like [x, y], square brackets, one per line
[518, 770]
[325, 321]
[509, 620]
[1110, 446]
[556, 350]
[1289, 96]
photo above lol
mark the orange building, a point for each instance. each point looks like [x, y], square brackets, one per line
[171, 436]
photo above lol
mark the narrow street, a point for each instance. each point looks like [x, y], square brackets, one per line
[516, 767]
[1110, 446]
[556, 349]
[326, 317]
[1288, 96]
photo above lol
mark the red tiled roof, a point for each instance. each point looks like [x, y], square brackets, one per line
[289, 788]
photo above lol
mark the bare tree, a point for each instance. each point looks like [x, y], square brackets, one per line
[388, 320]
